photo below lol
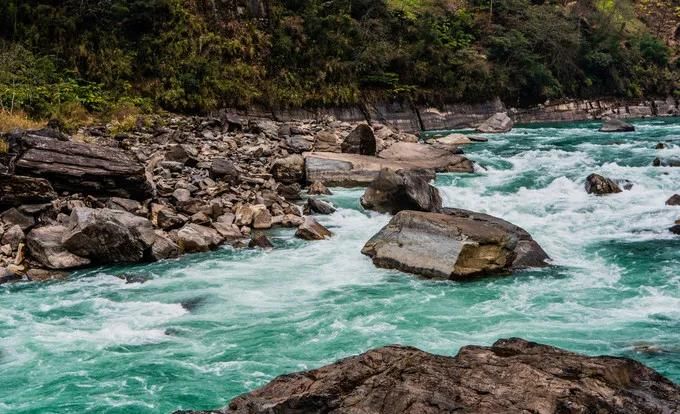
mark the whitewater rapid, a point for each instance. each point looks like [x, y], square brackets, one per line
[207, 327]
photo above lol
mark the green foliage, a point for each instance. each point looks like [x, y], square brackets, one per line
[200, 55]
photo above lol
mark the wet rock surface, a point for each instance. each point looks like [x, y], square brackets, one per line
[599, 185]
[616, 125]
[392, 192]
[498, 123]
[511, 376]
[455, 244]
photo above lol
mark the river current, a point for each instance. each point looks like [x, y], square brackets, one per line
[205, 328]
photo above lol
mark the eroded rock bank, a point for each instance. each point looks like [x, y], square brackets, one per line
[511, 376]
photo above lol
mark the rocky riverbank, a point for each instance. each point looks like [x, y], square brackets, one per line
[174, 185]
[511, 376]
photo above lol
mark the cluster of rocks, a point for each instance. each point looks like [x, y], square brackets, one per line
[184, 184]
[511, 376]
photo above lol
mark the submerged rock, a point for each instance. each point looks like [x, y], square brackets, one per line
[511, 376]
[599, 185]
[616, 125]
[360, 141]
[392, 192]
[260, 240]
[666, 162]
[456, 244]
[314, 205]
[498, 123]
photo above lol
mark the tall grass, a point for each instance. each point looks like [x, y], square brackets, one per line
[10, 120]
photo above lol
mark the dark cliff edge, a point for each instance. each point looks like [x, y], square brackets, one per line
[408, 117]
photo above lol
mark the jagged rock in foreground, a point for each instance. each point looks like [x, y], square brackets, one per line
[457, 244]
[392, 192]
[498, 123]
[599, 185]
[512, 376]
[616, 125]
[16, 190]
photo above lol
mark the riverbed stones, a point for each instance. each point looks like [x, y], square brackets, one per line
[455, 244]
[310, 229]
[317, 188]
[108, 236]
[13, 217]
[452, 139]
[498, 123]
[225, 170]
[46, 246]
[511, 376]
[13, 237]
[392, 192]
[600, 185]
[360, 141]
[260, 240]
[163, 247]
[616, 125]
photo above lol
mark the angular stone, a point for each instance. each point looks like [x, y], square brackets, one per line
[194, 238]
[262, 219]
[230, 232]
[392, 192]
[310, 229]
[314, 205]
[108, 236]
[317, 188]
[360, 141]
[289, 170]
[674, 200]
[225, 170]
[45, 245]
[616, 125]
[14, 217]
[428, 157]
[261, 241]
[13, 237]
[164, 248]
[498, 123]
[124, 204]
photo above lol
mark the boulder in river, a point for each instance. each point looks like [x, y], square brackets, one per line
[616, 125]
[317, 188]
[456, 244]
[666, 162]
[498, 123]
[599, 185]
[194, 238]
[310, 229]
[108, 236]
[360, 141]
[511, 376]
[674, 200]
[392, 192]
[289, 170]
[315, 205]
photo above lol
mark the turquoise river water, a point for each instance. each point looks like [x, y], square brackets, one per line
[205, 328]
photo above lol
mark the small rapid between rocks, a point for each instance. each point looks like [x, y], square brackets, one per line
[193, 333]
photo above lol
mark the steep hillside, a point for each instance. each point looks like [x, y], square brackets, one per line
[63, 56]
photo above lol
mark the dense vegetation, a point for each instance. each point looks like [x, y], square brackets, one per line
[198, 55]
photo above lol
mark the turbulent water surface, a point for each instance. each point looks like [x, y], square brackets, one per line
[206, 328]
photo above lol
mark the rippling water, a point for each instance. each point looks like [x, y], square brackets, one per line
[205, 328]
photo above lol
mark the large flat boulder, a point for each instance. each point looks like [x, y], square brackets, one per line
[82, 168]
[511, 376]
[427, 156]
[16, 190]
[350, 170]
[457, 244]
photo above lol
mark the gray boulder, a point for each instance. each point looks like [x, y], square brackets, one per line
[16, 190]
[13, 237]
[108, 236]
[498, 123]
[456, 244]
[666, 162]
[45, 245]
[392, 192]
[194, 238]
[616, 125]
[225, 170]
[428, 157]
[314, 205]
[14, 217]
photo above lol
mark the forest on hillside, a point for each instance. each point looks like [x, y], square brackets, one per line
[200, 55]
